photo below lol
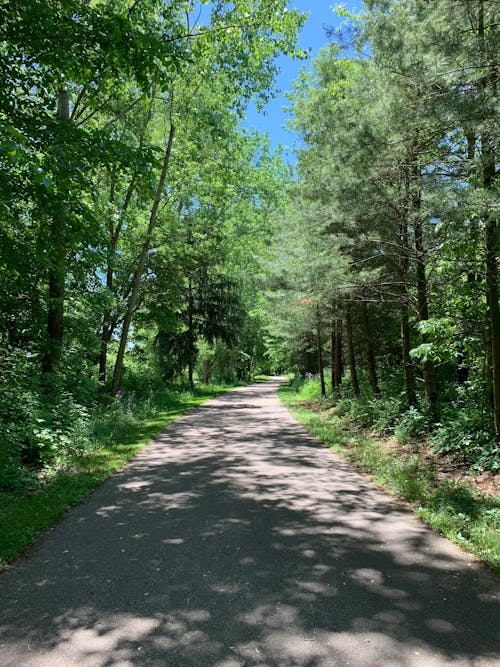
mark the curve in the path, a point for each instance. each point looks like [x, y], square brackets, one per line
[236, 539]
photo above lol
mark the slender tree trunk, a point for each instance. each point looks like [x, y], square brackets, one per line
[406, 347]
[141, 264]
[56, 273]
[332, 353]
[350, 351]
[492, 244]
[114, 235]
[106, 331]
[463, 369]
[190, 335]
[492, 251]
[405, 315]
[423, 314]
[320, 352]
[370, 355]
[338, 353]
[415, 195]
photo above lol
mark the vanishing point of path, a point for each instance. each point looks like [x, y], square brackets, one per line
[236, 539]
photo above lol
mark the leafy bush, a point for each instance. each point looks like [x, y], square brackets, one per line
[463, 436]
[411, 424]
[35, 432]
[311, 389]
[381, 414]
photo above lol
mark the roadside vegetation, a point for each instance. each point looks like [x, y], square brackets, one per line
[149, 240]
[131, 223]
[459, 500]
[77, 460]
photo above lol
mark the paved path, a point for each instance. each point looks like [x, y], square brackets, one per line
[236, 539]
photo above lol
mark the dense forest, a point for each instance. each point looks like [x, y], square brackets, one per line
[386, 265]
[134, 207]
[148, 240]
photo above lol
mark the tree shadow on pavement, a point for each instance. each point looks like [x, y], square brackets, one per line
[236, 539]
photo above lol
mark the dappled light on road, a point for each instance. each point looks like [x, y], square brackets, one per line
[237, 540]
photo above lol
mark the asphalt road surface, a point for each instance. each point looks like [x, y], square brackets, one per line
[236, 539]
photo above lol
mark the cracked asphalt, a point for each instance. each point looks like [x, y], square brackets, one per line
[235, 539]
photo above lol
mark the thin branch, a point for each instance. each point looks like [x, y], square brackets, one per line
[96, 111]
[122, 113]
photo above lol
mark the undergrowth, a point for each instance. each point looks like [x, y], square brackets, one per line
[35, 498]
[450, 506]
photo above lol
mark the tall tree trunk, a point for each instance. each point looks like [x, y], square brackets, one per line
[338, 353]
[415, 195]
[332, 353]
[114, 235]
[370, 355]
[423, 311]
[492, 244]
[190, 335]
[350, 351]
[106, 331]
[320, 352]
[406, 346]
[405, 315]
[141, 264]
[492, 251]
[463, 369]
[56, 272]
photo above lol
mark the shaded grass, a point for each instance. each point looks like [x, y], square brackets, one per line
[450, 506]
[120, 432]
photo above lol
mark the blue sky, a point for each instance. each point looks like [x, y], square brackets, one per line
[313, 37]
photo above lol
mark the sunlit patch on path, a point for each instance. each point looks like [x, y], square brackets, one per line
[236, 540]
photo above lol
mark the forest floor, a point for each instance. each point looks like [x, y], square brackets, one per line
[236, 539]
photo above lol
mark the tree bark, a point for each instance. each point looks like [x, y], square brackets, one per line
[141, 264]
[406, 346]
[492, 245]
[190, 335]
[350, 351]
[56, 272]
[423, 309]
[492, 250]
[338, 353]
[114, 235]
[320, 352]
[332, 353]
[404, 314]
[370, 355]
[463, 369]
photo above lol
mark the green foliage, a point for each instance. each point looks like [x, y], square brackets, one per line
[391, 222]
[464, 437]
[471, 520]
[90, 93]
[461, 434]
[411, 424]
[113, 434]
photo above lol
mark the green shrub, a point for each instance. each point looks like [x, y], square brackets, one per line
[411, 424]
[464, 437]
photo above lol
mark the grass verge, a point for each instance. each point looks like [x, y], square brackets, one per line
[469, 519]
[120, 431]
